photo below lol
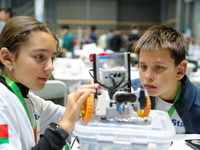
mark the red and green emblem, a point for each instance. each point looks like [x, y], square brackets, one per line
[4, 133]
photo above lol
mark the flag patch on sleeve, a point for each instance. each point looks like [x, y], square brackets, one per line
[4, 134]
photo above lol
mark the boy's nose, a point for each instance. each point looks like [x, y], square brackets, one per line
[149, 75]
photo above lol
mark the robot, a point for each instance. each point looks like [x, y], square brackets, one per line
[115, 101]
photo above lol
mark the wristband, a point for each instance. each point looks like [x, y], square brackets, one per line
[59, 130]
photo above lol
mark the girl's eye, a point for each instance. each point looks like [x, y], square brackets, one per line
[39, 56]
[159, 67]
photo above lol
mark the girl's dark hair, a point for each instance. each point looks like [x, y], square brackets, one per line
[16, 32]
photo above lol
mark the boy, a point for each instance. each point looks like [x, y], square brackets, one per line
[162, 68]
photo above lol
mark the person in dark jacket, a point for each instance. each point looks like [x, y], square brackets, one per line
[133, 37]
[117, 41]
[162, 69]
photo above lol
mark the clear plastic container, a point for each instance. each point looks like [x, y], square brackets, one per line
[157, 135]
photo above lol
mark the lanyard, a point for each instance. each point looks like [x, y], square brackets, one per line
[18, 93]
[175, 100]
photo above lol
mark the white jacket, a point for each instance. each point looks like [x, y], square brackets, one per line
[20, 131]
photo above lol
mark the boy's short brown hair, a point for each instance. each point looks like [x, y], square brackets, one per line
[162, 36]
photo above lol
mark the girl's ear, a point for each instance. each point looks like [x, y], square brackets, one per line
[6, 57]
[182, 67]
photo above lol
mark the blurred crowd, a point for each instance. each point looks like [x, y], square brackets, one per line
[193, 44]
[114, 40]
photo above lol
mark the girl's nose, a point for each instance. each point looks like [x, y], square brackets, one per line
[49, 66]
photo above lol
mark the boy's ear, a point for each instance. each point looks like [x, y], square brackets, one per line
[182, 67]
[6, 57]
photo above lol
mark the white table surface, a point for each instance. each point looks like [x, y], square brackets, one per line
[71, 71]
[179, 141]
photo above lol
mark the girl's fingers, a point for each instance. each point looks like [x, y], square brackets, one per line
[93, 86]
[83, 98]
[91, 81]
[80, 93]
[84, 88]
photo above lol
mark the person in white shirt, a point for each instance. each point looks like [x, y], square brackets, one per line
[27, 50]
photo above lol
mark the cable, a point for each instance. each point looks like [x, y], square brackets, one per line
[113, 79]
[76, 138]
[90, 73]
[98, 81]
[114, 88]
[111, 90]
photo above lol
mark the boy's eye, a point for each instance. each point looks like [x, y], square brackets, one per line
[143, 66]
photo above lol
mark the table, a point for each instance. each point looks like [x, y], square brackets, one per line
[179, 141]
[71, 71]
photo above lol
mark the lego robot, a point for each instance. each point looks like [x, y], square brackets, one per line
[116, 101]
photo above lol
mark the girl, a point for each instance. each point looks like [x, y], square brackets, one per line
[27, 50]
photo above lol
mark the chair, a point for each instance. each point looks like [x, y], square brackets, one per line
[53, 89]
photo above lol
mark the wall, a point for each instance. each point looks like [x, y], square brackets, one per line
[138, 13]
[168, 15]
[107, 14]
[83, 13]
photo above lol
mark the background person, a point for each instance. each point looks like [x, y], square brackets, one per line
[5, 15]
[116, 41]
[133, 37]
[93, 36]
[67, 41]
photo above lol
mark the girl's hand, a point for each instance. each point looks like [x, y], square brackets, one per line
[74, 103]
[91, 81]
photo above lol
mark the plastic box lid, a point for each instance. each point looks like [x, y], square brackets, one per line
[160, 130]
